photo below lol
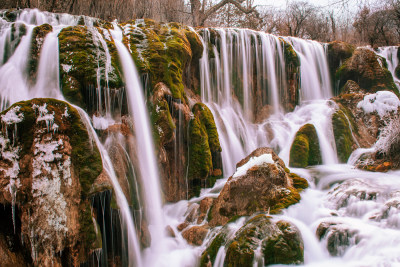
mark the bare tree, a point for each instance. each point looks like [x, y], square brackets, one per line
[201, 10]
[297, 14]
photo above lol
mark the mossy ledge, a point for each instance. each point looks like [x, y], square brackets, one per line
[343, 135]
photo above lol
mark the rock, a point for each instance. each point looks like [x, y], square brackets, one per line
[342, 125]
[280, 242]
[339, 237]
[47, 170]
[195, 235]
[263, 187]
[305, 148]
[204, 149]
[338, 52]
[368, 70]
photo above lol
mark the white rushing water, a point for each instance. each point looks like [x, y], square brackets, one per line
[390, 53]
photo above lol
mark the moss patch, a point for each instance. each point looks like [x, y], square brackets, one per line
[203, 144]
[305, 148]
[163, 51]
[342, 133]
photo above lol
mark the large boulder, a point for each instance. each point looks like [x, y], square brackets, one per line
[280, 242]
[261, 183]
[48, 166]
[305, 148]
[367, 69]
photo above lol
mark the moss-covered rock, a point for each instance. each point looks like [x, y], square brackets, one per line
[52, 166]
[164, 51]
[343, 134]
[82, 57]
[204, 147]
[338, 52]
[265, 188]
[280, 242]
[305, 148]
[368, 70]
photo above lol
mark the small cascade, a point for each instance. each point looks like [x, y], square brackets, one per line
[315, 78]
[48, 80]
[133, 247]
[390, 53]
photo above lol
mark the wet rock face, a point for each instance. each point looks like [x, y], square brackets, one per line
[47, 169]
[263, 186]
[339, 237]
[305, 148]
[278, 243]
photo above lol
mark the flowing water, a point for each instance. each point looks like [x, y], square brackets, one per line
[390, 53]
[244, 70]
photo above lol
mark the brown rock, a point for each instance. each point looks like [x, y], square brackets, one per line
[195, 235]
[265, 187]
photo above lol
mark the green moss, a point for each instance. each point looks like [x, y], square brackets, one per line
[298, 182]
[283, 248]
[343, 137]
[207, 119]
[211, 252]
[80, 58]
[204, 147]
[164, 126]
[286, 199]
[163, 51]
[87, 231]
[305, 148]
[200, 161]
[397, 71]
[291, 57]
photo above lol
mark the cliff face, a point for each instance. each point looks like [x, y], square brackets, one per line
[47, 172]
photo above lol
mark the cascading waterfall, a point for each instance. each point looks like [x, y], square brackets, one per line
[239, 135]
[244, 82]
[390, 53]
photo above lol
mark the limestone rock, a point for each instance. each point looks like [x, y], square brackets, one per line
[47, 168]
[264, 187]
[195, 235]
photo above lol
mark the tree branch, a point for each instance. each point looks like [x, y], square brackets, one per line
[236, 3]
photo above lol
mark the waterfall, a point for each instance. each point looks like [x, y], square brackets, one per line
[148, 164]
[239, 134]
[315, 78]
[390, 54]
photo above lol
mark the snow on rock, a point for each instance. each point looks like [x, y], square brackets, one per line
[381, 102]
[11, 117]
[253, 161]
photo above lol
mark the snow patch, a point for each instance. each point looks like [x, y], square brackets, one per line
[382, 102]
[101, 123]
[253, 161]
[11, 117]
[66, 67]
